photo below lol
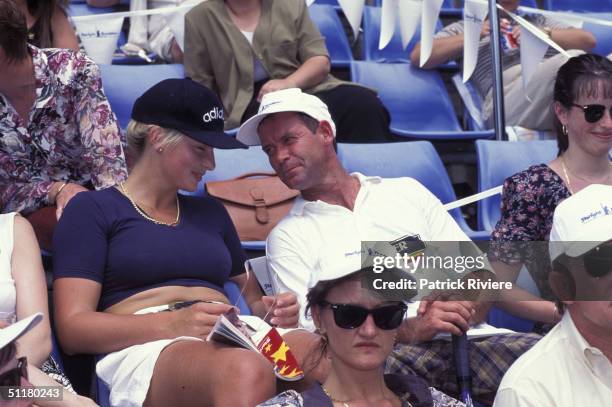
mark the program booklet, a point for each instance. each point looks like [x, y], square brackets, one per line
[232, 330]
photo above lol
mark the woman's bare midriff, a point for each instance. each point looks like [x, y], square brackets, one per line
[165, 295]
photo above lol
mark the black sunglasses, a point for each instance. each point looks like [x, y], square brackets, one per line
[13, 377]
[598, 262]
[348, 316]
[593, 113]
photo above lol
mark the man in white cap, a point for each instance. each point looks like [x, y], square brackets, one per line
[338, 211]
[13, 371]
[572, 365]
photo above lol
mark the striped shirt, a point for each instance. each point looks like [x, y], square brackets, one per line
[482, 78]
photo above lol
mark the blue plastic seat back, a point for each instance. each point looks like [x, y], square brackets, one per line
[123, 84]
[416, 159]
[502, 319]
[327, 20]
[497, 160]
[416, 98]
[393, 52]
[579, 5]
[602, 33]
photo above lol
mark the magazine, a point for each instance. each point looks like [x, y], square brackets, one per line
[244, 331]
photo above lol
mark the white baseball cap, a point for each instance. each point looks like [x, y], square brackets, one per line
[285, 100]
[16, 330]
[582, 222]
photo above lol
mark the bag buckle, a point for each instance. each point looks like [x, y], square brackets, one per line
[261, 210]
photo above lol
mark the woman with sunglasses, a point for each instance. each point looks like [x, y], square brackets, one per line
[583, 122]
[358, 326]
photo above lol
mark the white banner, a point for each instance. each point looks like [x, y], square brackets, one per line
[353, 10]
[99, 37]
[534, 43]
[431, 12]
[474, 16]
[410, 18]
[176, 21]
[388, 16]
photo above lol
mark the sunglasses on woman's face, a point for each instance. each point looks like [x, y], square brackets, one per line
[593, 113]
[598, 262]
[348, 316]
[13, 377]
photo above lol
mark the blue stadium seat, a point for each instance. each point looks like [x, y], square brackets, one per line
[579, 5]
[602, 33]
[123, 84]
[497, 160]
[327, 20]
[502, 319]
[231, 164]
[393, 52]
[416, 159]
[416, 99]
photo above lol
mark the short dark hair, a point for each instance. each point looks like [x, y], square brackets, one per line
[13, 31]
[580, 75]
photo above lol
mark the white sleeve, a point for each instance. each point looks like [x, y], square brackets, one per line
[513, 397]
[442, 226]
[290, 268]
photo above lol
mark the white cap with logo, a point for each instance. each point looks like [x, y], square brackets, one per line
[285, 100]
[582, 222]
[14, 331]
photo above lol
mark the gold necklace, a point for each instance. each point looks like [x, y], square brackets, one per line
[343, 402]
[567, 178]
[147, 217]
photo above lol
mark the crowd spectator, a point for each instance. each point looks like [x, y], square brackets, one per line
[48, 25]
[151, 33]
[582, 99]
[358, 326]
[13, 370]
[23, 292]
[139, 248]
[58, 133]
[572, 364]
[338, 211]
[529, 108]
[244, 49]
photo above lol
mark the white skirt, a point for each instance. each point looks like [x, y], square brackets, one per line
[128, 372]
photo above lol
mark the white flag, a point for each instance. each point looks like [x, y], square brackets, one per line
[410, 17]
[431, 11]
[309, 3]
[99, 37]
[534, 43]
[353, 10]
[176, 21]
[388, 15]
[474, 15]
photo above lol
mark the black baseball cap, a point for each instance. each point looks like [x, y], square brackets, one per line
[186, 106]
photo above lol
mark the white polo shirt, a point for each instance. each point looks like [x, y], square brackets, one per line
[561, 370]
[385, 210]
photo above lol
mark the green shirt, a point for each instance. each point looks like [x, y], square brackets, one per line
[219, 56]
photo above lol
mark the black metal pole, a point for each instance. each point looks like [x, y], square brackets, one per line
[498, 82]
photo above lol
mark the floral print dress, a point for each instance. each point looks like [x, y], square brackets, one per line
[528, 204]
[70, 134]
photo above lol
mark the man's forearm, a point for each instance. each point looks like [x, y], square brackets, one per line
[443, 50]
[573, 38]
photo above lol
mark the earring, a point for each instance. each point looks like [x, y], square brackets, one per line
[564, 129]
[160, 150]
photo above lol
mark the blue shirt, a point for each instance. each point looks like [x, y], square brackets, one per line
[102, 238]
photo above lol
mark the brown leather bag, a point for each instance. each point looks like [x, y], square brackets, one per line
[256, 202]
